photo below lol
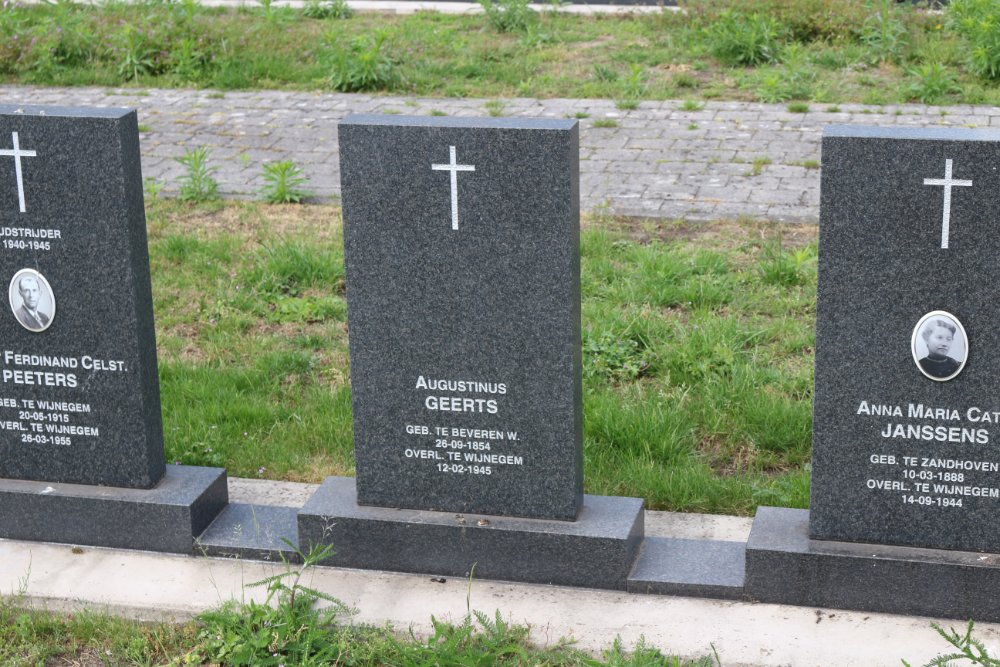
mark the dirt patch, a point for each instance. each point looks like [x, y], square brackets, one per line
[252, 219]
[318, 469]
[720, 234]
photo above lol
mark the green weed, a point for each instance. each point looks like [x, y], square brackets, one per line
[136, 55]
[684, 80]
[197, 183]
[605, 122]
[967, 647]
[933, 83]
[634, 84]
[327, 9]
[798, 107]
[745, 39]
[151, 188]
[283, 183]
[786, 267]
[364, 66]
[286, 628]
[605, 74]
[509, 15]
[757, 166]
[978, 21]
[494, 107]
[884, 33]
[616, 357]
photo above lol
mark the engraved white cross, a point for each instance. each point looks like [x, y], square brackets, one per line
[948, 183]
[17, 154]
[454, 168]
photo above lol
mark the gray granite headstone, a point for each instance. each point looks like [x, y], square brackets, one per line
[463, 283]
[79, 395]
[906, 439]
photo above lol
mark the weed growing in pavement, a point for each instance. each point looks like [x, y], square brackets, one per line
[757, 166]
[288, 627]
[605, 122]
[283, 183]
[494, 107]
[197, 183]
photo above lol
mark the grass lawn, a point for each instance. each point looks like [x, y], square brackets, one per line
[293, 637]
[823, 51]
[697, 349]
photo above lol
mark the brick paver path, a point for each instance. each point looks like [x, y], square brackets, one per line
[723, 160]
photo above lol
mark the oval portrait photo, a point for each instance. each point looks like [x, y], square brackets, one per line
[31, 300]
[940, 346]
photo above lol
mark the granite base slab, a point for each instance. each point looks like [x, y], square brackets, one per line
[784, 566]
[596, 551]
[692, 568]
[165, 518]
[255, 532]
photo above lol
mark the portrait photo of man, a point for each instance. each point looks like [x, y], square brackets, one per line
[31, 300]
[939, 345]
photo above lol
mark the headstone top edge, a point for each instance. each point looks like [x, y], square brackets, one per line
[910, 133]
[461, 122]
[65, 112]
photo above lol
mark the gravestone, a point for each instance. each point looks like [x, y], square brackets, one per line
[906, 409]
[461, 242]
[79, 392]
[463, 306]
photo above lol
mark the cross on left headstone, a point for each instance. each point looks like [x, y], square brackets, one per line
[17, 154]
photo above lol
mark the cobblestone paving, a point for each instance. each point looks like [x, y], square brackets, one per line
[662, 160]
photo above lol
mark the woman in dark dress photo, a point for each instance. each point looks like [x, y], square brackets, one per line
[939, 334]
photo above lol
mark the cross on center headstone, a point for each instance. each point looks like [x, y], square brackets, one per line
[17, 154]
[454, 168]
[948, 182]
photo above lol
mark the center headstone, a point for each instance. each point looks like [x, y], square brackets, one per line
[461, 245]
[462, 256]
[907, 409]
